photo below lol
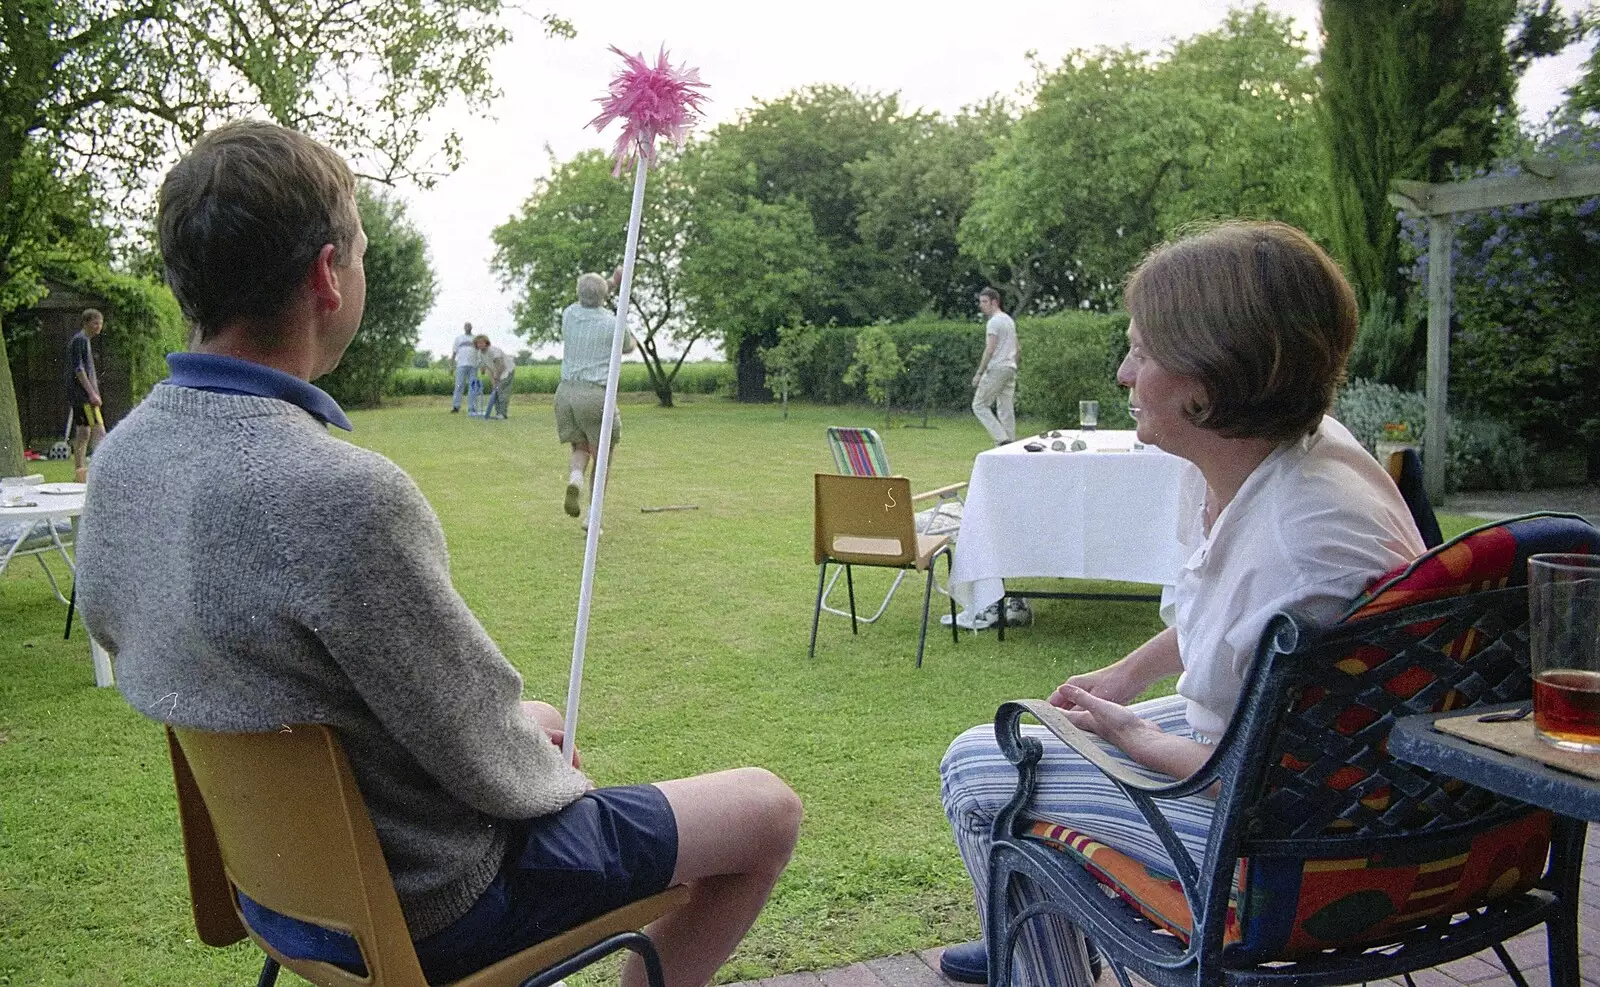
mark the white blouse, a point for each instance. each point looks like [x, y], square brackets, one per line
[1310, 528]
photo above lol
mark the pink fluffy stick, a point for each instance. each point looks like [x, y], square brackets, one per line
[652, 101]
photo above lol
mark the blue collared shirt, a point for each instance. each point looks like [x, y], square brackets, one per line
[231, 375]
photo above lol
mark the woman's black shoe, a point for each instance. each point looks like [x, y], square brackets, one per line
[968, 963]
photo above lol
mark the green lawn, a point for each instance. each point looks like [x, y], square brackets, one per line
[697, 661]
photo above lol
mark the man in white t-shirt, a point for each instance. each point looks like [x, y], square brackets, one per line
[466, 357]
[995, 383]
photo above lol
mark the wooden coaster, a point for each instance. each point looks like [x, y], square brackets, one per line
[1517, 737]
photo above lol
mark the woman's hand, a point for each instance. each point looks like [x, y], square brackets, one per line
[1110, 684]
[1105, 718]
[1146, 743]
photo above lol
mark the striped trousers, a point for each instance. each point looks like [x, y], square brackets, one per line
[976, 782]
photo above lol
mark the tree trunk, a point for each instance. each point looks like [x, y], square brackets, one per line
[660, 381]
[749, 372]
[11, 461]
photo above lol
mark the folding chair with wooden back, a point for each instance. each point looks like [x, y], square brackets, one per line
[860, 452]
[278, 817]
[867, 520]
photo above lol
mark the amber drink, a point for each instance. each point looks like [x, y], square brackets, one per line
[1564, 644]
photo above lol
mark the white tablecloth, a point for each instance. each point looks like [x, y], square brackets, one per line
[1109, 512]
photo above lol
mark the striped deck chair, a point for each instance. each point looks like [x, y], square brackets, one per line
[859, 452]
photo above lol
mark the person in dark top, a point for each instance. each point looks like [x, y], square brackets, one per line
[83, 389]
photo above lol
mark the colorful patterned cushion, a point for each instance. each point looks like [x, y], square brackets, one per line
[1297, 907]
[1283, 907]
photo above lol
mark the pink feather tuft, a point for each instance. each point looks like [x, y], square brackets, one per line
[653, 101]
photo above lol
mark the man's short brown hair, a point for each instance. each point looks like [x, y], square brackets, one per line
[243, 216]
[90, 315]
[1259, 315]
[990, 293]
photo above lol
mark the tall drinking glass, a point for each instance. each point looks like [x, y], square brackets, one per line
[1088, 415]
[1564, 629]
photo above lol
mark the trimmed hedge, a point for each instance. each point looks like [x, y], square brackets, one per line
[1065, 358]
[704, 377]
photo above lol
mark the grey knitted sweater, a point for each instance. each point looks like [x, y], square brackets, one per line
[246, 570]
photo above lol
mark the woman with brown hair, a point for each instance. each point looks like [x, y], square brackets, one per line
[1237, 342]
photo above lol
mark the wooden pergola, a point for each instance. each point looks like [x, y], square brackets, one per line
[1543, 179]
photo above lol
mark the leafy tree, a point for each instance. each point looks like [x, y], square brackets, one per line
[107, 90]
[400, 293]
[795, 343]
[421, 359]
[796, 150]
[1119, 150]
[1422, 90]
[576, 220]
[749, 266]
[877, 364]
[1526, 302]
[913, 198]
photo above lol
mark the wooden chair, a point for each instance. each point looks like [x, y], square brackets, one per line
[278, 817]
[867, 520]
[1329, 862]
[860, 452]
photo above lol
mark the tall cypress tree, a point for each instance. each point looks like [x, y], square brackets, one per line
[1423, 90]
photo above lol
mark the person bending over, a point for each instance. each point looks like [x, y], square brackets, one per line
[285, 576]
[1237, 342]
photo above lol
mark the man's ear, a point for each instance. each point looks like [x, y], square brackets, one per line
[324, 281]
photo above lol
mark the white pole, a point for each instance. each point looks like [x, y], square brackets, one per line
[591, 548]
[1436, 435]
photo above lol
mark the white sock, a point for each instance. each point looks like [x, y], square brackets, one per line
[575, 478]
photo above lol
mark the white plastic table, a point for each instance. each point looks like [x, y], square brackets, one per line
[49, 507]
[38, 506]
[1109, 512]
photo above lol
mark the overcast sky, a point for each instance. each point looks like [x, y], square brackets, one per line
[937, 54]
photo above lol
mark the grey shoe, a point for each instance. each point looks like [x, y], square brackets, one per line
[571, 503]
[980, 621]
[1018, 614]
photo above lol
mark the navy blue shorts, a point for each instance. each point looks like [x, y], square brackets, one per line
[612, 847]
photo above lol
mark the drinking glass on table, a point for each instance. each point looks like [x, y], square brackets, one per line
[1564, 629]
[1088, 415]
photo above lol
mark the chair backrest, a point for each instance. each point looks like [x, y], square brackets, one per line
[1405, 468]
[1322, 812]
[858, 452]
[864, 520]
[282, 818]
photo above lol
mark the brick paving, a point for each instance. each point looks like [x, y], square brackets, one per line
[1483, 970]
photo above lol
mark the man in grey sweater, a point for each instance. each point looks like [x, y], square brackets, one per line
[247, 570]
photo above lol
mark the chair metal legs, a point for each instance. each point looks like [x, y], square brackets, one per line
[950, 567]
[824, 586]
[269, 973]
[822, 576]
[636, 941]
[863, 619]
[850, 585]
[927, 596]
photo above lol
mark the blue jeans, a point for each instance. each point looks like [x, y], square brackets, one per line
[501, 398]
[463, 374]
